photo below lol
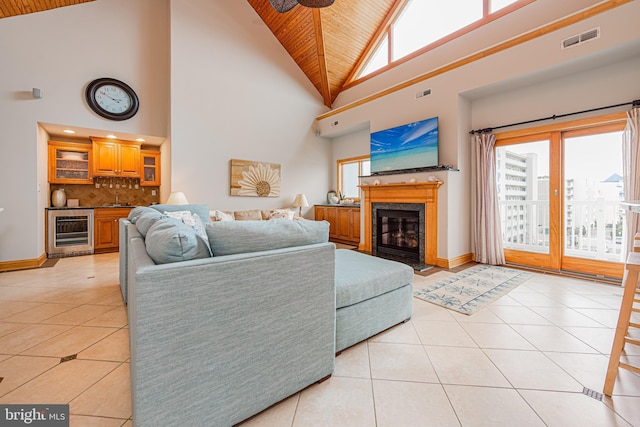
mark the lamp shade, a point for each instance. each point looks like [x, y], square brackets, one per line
[300, 201]
[177, 198]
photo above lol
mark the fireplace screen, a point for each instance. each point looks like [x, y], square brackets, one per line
[398, 232]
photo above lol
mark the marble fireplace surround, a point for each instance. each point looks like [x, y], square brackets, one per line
[425, 193]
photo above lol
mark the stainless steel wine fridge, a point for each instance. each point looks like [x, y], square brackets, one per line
[70, 232]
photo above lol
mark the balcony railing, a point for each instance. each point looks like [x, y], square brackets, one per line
[594, 229]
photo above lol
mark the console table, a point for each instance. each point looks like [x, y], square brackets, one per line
[344, 222]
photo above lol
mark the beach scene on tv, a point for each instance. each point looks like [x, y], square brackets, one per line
[410, 146]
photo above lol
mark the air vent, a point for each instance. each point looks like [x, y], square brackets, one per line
[581, 38]
[423, 93]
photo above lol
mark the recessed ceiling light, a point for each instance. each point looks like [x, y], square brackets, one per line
[111, 136]
[69, 131]
[140, 139]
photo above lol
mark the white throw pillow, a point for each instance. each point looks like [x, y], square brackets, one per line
[217, 215]
[281, 214]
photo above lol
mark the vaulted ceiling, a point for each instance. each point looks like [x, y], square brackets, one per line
[330, 45]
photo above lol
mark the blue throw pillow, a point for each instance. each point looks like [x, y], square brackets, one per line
[146, 220]
[137, 212]
[170, 240]
[235, 237]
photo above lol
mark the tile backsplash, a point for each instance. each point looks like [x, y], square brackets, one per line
[89, 195]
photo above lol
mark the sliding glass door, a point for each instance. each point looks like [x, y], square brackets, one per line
[593, 220]
[559, 193]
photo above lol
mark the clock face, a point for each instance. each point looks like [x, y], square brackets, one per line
[112, 99]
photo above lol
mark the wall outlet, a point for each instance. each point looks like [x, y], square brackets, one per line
[153, 192]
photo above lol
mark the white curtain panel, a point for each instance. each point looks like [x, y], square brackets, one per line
[631, 171]
[486, 239]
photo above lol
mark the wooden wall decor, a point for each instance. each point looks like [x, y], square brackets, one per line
[254, 179]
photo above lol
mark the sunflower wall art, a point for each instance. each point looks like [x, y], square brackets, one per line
[254, 179]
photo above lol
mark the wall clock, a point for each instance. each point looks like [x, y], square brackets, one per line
[112, 99]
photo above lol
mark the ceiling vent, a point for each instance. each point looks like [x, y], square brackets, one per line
[581, 38]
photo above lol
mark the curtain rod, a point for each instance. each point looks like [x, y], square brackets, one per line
[635, 103]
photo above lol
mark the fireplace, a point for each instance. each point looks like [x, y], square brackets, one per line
[398, 232]
[414, 196]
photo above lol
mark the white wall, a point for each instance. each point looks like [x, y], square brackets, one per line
[531, 80]
[236, 94]
[60, 51]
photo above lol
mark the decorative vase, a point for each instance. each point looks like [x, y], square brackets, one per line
[58, 198]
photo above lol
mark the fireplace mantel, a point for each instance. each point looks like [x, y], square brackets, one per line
[415, 192]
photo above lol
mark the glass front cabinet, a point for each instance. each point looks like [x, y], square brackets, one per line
[69, 163]
[150, 167]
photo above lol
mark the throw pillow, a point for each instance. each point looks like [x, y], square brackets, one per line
[137, 212]
[235, 237]
[170, 240]
[281, 214]
[146, 220]
[253, 215]
[193, 221]
[217, 215]
[201, 210]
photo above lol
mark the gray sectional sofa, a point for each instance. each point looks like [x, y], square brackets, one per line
[217, 339]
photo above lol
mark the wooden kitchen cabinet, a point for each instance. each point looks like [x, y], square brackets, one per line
[106, 232]
[116, 158]
[150, 168]
[344, 222]
[70, 163]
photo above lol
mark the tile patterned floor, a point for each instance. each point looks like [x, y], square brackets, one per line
[524, 360]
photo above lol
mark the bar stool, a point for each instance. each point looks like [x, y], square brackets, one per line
[624, 323]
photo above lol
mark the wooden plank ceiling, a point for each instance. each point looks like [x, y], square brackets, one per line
[21, 7]
[329, 44]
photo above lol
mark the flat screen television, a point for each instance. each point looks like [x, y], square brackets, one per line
[407, 147]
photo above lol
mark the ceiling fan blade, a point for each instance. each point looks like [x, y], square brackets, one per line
[315, 3]
[283, 6]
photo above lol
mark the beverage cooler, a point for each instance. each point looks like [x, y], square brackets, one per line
[70, 232]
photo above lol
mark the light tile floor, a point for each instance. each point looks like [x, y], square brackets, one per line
[524, 360]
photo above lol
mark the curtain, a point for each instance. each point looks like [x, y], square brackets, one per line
[631, 171]
[486, 236]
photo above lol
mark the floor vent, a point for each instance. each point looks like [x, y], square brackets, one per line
[581, 38]
[68, 358]
[592, 393]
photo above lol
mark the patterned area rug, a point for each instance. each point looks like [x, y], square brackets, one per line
[474, 288]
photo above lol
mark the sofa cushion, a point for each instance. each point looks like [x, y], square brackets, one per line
[253, 214]
[170, 240]
[360, 277]
[234, 237]
[144, 221]
[201, 210]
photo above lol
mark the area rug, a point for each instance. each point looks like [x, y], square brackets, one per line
[474, 288]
